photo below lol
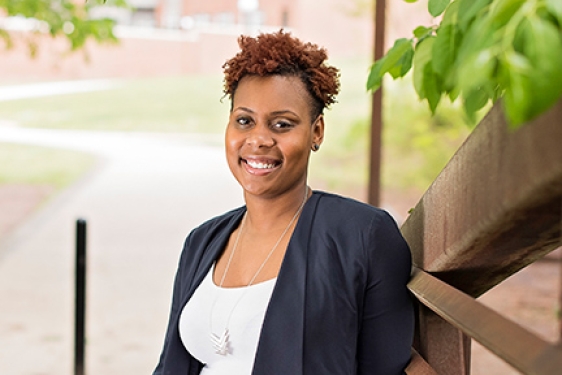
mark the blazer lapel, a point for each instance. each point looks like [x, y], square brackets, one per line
[280, 349]
[211, 254]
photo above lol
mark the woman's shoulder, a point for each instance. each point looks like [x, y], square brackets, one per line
[349, 211]
[356, 229]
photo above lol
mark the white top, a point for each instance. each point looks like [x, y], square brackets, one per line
[240, 309]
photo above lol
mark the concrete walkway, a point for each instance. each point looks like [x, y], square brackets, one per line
[146, 195]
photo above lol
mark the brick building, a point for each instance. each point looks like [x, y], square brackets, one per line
[170, 37]
[189, 14]
[330, 23]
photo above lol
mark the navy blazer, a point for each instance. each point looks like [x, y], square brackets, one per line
[340, 305]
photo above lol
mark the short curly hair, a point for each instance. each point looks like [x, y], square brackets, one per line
[280, 53]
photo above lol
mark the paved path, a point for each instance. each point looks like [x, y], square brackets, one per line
[147, 194]
[34, 90]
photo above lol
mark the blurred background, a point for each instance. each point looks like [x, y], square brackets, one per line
[128, 135]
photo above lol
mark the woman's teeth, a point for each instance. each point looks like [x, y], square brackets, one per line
[258, 165]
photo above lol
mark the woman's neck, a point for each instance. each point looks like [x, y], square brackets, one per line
[270, 214]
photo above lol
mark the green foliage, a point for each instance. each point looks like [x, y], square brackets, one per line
[436, 7]
[484, 50]
[416, 145]
[60, 18]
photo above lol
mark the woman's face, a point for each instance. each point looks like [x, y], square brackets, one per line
[270, 134]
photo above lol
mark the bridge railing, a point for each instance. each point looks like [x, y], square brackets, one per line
[494, 209]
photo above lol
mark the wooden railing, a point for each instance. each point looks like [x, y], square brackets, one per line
[494, 209]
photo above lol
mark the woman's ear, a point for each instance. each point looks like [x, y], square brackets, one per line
[317, 132]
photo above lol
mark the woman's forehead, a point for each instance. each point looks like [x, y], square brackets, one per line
[271, 92]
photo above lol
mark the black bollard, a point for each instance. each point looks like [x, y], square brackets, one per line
[80, 308]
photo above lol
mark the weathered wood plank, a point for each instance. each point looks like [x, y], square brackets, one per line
[495, 208]
[514, 344]
[418, 366]
[445, 347]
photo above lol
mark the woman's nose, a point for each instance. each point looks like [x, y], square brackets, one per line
[260, 136]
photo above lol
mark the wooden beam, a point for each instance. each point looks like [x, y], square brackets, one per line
[523, 350]
[495, 208]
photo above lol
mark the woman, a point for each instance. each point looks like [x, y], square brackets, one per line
[295, 282]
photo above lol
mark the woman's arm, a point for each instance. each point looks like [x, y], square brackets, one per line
[387, 325]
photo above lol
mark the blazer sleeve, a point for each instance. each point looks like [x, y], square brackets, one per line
[174, 358]
[174, 311]
[387, 322]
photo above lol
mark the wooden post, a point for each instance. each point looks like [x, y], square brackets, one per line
[376, 112]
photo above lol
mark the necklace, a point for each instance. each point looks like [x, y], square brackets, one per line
[221, 344]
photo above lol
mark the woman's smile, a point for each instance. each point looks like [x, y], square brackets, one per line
[260, 166]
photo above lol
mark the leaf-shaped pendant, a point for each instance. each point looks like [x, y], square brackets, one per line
[221, 343]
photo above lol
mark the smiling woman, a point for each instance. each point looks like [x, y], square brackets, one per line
[269, 135]
[295, 281]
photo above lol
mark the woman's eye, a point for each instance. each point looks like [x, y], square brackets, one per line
[243, 121]
[282, 125]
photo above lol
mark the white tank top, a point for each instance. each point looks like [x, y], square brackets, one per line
[241, 309]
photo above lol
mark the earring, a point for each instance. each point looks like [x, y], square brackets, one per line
[315, 147]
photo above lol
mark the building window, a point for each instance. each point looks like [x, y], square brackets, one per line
[201, 19]
[224, 18]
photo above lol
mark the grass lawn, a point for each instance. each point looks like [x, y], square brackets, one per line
[170, 104]
[33, 165]
[416, 146]
[30, 175]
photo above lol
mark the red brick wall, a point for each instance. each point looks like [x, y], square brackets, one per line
[274, 12]
[131, 58]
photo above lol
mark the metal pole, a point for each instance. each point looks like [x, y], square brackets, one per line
[376, 113]
[80, 307]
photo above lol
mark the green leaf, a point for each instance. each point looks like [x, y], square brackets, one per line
[397, 62]
[531, 75]
[454, 93]
[478, 37]
[545, 55]
[555, 7]
[421, 32]
[404, 65]
[451, 14]
[375, 76]
[392, 58]
[516, 99]
[422, 57]
[436, 7]
[476, 70]
[431, 86]
[475, 101]
[501, 11]
[517, 62]
[468, 10]
[411, 1]
[444, 50]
